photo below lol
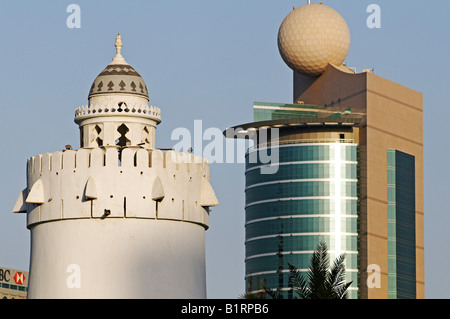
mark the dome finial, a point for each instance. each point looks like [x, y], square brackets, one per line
[118, 59]
[119, 44]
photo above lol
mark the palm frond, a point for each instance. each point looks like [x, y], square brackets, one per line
[318, 272]
[321, 282]
[299, 283]
[336, 276]
[336, 279]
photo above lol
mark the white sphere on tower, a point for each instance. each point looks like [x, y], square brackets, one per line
[313, 36]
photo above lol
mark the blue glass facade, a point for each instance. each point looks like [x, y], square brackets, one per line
[401, 225]
[312, 197]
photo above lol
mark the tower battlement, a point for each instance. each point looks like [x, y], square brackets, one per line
[104, 183]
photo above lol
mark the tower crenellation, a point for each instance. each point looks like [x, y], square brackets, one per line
[102, 184]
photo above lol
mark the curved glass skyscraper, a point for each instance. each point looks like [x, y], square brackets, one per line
[312, 197]
[302, 188]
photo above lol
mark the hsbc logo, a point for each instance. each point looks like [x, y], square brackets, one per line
[19, 278]
[6, 276]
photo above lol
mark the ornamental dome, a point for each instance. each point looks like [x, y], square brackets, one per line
[119, 78]
[118, 114]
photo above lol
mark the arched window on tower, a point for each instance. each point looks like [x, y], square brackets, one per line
[123, 141]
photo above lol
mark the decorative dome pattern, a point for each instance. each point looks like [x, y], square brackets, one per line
[313, 36]
[119, 78]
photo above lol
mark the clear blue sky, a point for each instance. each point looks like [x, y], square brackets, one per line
[207, 60]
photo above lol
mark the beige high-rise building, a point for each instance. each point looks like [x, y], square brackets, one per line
[350, 169]
[393, 121]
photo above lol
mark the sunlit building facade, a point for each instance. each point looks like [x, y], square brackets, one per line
[312, 198]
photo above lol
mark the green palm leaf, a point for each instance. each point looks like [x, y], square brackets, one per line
[321, 282]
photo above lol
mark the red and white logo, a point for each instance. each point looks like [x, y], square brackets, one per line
[19, 278]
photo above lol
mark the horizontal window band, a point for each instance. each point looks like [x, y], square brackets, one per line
[299, 234]
[272, 272]
[299, 198]
[300, 216]
[337, 142]
[298, 253]
[303, 181]
[300, 163]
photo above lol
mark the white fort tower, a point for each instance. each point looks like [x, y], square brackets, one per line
[117, 218]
